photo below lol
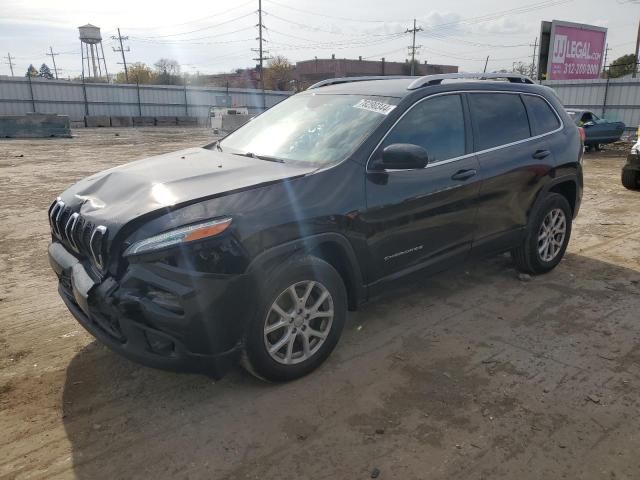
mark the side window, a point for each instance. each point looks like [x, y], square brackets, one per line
[499, 118]
[436, 124]
[544, 120]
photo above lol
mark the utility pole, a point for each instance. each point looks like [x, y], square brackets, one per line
[261, 53]
[10, 62]
[635, 60]
[53, 59]
[120, 38]
[533, 58]
[413, 47]
[486, 62]
[604, 64]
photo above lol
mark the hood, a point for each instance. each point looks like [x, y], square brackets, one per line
[123, 193]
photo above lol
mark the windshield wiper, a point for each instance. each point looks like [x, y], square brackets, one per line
[260, 157]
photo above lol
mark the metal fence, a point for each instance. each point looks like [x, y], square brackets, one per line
[615, 99]
[76, 99]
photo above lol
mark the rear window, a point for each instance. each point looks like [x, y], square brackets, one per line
[544, 120]
[499, 118]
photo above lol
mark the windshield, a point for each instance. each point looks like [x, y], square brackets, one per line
[311, 127]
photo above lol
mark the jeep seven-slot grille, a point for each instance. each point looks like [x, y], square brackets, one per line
[77, 233]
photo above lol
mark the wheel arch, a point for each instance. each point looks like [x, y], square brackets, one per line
[331, 247]
[567, 186]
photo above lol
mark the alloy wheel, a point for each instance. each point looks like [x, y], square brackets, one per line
[552, 234]
[298, 322]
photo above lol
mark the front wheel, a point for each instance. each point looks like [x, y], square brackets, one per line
[631, 179]
[547, 236]
[301, 313]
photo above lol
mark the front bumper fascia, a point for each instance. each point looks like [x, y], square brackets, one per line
[201, 333]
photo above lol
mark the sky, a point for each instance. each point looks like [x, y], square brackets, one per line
[218, 36]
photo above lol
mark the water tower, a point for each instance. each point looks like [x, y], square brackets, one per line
[90, 40]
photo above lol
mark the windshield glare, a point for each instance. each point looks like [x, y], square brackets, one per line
[311, 127]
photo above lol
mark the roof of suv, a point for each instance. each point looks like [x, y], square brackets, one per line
[396, 86]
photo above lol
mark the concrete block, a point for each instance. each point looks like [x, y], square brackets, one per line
[233, 122]
[166, 121]
[187, 121]
[120, 121]
[97, 121]
[34, 125]
[143, 121]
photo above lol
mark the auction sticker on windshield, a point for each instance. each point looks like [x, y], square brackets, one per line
[374, 106]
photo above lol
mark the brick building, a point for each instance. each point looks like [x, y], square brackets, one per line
[311, 71]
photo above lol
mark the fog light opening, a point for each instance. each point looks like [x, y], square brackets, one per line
[159, 344]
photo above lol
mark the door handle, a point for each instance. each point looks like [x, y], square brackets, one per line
[464, 174]
[540, 154]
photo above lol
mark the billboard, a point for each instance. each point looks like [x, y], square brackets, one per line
[571, 51]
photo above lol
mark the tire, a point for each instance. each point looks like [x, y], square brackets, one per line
[527, 257]
[311, 277]
[630, 179]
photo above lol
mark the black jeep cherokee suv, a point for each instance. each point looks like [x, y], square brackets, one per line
[255, 247]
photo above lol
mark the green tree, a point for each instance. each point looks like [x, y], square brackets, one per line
[45, 72]
[138, 73]
[31, 71]
[622, 66]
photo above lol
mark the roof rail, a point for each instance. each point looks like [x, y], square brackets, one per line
[335, 81]
[437, 79]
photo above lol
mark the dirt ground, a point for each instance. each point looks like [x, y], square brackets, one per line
[471, 374]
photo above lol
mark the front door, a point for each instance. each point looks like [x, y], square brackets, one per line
[416, 218]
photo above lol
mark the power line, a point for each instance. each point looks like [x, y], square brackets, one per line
[203, 28]
[10, 62]
[181, 41]
[197, 20]
[120, 38]
[413, 47]
[53, 59]
[326, 16]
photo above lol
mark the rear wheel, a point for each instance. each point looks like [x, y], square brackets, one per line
[547, 236]
[630, 179]
[300, 316]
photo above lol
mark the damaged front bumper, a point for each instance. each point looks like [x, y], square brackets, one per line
[158, 315]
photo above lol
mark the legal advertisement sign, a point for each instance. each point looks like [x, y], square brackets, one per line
[575, 51]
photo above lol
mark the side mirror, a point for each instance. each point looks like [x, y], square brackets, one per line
[403, 156]
[588, 124]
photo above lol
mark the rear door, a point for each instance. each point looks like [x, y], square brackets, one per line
[513, 161]
[419, 217]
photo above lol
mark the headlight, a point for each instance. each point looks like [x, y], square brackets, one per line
[180, 236]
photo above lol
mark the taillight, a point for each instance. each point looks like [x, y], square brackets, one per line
[583, 136]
